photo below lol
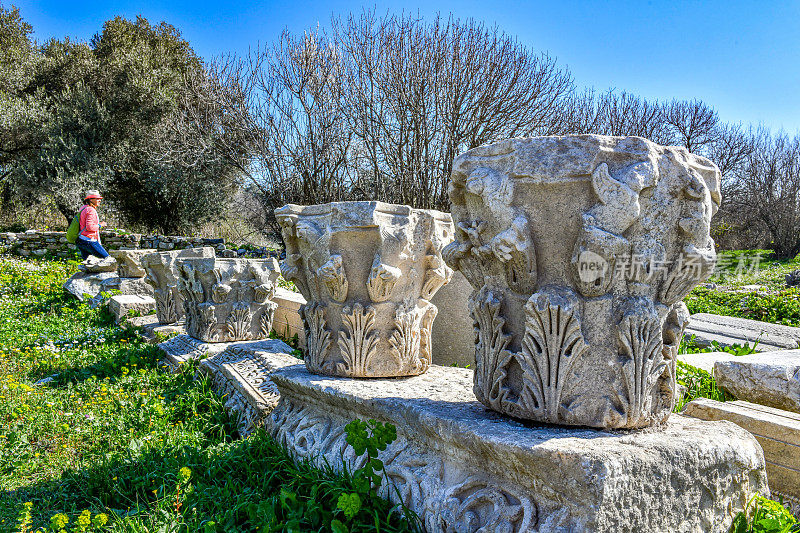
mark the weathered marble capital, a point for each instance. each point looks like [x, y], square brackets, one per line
[227, 300]
[580, 250]
[162, 275]
[368, 271]
[129, 262]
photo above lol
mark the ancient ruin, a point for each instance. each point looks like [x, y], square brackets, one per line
[227, 300]
[162, 275]
[129, 262]
[580, 250]
[368, 271]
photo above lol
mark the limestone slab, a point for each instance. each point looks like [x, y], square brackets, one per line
[183, 348]
[368, 271]
[137, 286]
[778, 433]
[462, 467]
[706, 361]
[728, 330]
[88, 285]
[579, 249]
[120, 305]
[767, 378]
[94, 264]
[241, 375]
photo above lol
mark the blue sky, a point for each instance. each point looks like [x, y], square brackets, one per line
[741, 57]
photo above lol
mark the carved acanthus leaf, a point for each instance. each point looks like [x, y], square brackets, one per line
[318, 338]
[640, 340]
[492, 357]
[239, 322]
[265, 321]
[358, 341]
[333, 277]
[552, 343]
[166, 307]
[406, 341]
[382, 280]
[437, 274]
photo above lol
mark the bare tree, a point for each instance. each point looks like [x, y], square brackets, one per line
[614, 114]
[419, 93]
[693, 122]
[769, 187]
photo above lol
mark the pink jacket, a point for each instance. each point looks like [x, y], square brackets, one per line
[90, 223]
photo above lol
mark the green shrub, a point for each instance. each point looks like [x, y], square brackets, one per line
[763, 515]
[781, 308]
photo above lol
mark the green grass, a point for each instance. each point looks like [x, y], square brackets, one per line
[113, 434]
[775, 303]
[771, 271]
[698, 384]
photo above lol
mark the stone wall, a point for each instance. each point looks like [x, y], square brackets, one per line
[41, 243]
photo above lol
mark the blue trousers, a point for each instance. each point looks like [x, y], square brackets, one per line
[89, 247]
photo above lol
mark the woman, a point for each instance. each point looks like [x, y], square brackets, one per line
[88, 241]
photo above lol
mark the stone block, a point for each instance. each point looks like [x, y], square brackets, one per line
[130, 262]
[287, 321]
[461, 467]
[228, 300]
[88, 285]
[182, 348]
[122, 304]
[240, 375]
[706, 361]
[368, 271]
[728, 330]
[767, 378]
[580, 249]
[135, 286]
[453, 334]
[93, 264]
[778, 433]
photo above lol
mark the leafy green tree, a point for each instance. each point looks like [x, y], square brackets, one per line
[100, 115]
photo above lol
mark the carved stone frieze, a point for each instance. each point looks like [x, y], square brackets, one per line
[368, 271]
[162, 274]
[579, 248]
[240, 374]
[227, 300]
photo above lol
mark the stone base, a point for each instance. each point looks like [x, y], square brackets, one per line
[727, 330]
[706, 360]
[241, 375]
[778, 433]
[460, 467]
